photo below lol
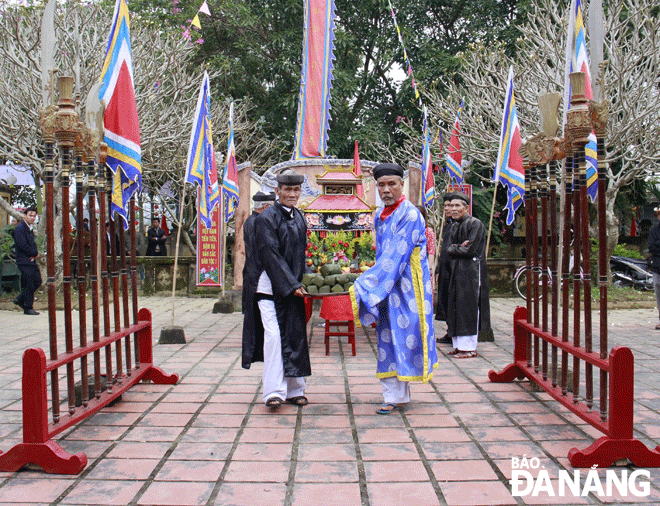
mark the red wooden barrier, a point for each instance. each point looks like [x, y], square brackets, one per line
[618, 442]
[38, 447]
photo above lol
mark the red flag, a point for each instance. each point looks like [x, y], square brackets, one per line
[358, 170]
[163, 225]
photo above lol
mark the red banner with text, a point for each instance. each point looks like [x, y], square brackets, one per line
[209, 250]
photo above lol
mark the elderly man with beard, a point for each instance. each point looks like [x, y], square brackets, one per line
[468, 308]
[397, 294]
[274, 327]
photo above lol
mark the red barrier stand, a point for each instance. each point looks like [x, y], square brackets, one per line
[38, 447]
[618, 442]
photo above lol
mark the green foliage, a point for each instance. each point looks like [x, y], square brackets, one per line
[622, 251]
[365, 248]
[258, 47]
[25, 196]
[6, 241]
[339, 247]
[482, 201]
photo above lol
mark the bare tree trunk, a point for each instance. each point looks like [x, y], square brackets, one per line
[6, 207]
[186, 238]
[612, 225]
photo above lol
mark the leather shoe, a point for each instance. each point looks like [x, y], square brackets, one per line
[30, 311]
[444, 340]
[18, 303]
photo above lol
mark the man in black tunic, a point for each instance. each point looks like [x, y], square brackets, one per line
[444, 268]
[252, 269]
[26, 260]
[468, 308]
[274, 327]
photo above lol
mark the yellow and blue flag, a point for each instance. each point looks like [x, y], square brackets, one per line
[230, 175]
[509, 168]
[122, 129]
[201, 168]
[454, 157]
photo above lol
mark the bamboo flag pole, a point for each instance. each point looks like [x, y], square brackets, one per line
[490, 224]
[176, 249]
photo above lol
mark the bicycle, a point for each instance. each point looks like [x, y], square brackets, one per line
[520, 280]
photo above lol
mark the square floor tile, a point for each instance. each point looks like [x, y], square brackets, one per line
[169, 493]
[476, 493]
[395, 471]
[326, 494]
[258, 471]
[251, 494]
[111, 492]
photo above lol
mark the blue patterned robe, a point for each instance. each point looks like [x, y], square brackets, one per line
[397, 295]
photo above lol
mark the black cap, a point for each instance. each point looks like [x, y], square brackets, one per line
[264, 197]
[460, 196]
[448, 196]
[290, 177]
[387, 169]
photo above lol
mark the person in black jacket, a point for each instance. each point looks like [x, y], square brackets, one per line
[156, 239]
[444, 269]
[654, 264]
[274, 327]
[468, 307]
[26, 260]
[252, 269]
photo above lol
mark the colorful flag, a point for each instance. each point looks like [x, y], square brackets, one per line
[358, 170]
[205, 9]
[230, 175]
[454, 158]
[122, 129]
[201, 167]
[316, 79]
[578, 61]
[428, 181]
[509, 167]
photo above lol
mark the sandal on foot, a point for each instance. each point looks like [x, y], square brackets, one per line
[300, 400]
[455, 351]
[274, 402]
[388, 408]
[466, 354]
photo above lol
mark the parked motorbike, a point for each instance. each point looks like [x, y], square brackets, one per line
[631, 272]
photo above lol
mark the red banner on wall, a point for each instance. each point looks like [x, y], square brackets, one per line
[209, 250]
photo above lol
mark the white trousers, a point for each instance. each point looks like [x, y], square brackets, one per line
[465, 343]
[395, 391]
[275, 383]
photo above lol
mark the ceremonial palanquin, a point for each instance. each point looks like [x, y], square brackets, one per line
[338, 207]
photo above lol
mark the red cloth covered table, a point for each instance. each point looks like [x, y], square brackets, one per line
[337, 312]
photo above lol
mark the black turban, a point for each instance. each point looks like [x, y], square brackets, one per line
[460, 196]
[387, 169]
[290, 177]
[264, 197]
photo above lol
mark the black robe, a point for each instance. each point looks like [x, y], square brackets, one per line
[281, 250]
[468, 308]
[252, 268]
[444, 272]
